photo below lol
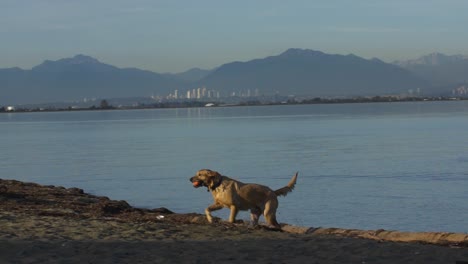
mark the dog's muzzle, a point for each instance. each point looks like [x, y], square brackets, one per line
[196, 183]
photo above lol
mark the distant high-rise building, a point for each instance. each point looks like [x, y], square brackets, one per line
[188, 94]
[203, 92]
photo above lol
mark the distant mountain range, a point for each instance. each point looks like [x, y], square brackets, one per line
[438, 69]
[308, 72]
[299, 72]
[77, 78]
[192, 75]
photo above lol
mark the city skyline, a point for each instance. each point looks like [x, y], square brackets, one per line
[204, 93]
[175, 36]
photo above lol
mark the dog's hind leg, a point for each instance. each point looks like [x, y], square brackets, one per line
[255, 215]
[270, 213]
[211, 208]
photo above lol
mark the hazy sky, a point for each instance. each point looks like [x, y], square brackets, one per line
[173, 35]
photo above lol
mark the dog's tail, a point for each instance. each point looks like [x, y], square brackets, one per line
[288, 188]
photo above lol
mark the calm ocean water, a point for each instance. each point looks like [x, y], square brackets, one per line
[401, 166]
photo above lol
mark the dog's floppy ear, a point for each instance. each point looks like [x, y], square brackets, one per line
[213, 179]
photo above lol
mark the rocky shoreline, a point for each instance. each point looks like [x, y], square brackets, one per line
[60, 224]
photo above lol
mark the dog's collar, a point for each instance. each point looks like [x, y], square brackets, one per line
[217, 185]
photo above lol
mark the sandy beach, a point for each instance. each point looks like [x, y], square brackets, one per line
[49, 224]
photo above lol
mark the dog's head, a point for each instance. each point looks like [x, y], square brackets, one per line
[210, 179]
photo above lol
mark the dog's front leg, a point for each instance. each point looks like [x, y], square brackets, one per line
[232, 216]
[211, 208]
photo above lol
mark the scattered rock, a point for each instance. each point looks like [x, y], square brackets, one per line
[297, 229]
[16, 196]
[75, 191]
[198, 220]
[161, 210]
[113, 207]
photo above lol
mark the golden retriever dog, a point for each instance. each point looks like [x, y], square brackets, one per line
[237, 195]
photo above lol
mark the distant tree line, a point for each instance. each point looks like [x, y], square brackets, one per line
[105, 105]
